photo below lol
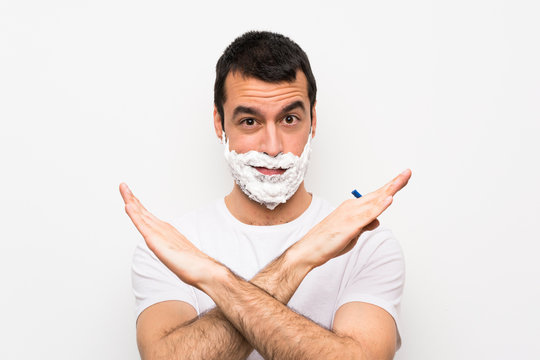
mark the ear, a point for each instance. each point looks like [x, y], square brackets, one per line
[313, 119]
[217, 123]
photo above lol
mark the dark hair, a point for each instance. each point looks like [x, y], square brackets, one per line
[266, 56]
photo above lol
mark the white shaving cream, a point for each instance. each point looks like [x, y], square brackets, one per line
[268, 190]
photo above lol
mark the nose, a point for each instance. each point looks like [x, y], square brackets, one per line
[272, 143]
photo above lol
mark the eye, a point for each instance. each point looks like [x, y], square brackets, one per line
[248, 122]
[290, 120]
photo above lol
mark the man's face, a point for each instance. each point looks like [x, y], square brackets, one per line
[271, 118]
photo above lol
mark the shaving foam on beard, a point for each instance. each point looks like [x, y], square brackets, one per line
[268, 190]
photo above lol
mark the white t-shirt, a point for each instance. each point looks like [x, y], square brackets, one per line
[373, 271]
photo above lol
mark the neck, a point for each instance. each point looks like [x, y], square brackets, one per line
[252, 213]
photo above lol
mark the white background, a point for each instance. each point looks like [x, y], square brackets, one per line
[93, 93]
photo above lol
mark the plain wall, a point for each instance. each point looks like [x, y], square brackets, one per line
[93, 93]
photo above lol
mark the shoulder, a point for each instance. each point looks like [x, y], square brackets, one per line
[378, 251]
[379, 239]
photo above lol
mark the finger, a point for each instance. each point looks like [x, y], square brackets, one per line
[137, 218]
[149, 217]
[128, 197]
[125, 192]
[401, 181]
[368, 211]
[392, 187]
[378, 208]
[385, 196]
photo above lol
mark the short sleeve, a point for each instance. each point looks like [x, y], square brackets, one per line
[377, 275]
[153, 282]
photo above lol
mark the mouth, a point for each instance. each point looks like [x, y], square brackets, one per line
[267, 171]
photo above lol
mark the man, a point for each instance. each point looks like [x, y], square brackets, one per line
[325, 283]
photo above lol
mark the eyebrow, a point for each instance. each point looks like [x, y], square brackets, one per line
[294, 105]
[245, 110]
[241, 109]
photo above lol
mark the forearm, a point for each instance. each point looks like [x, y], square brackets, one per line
[212, 336]
[274, 330]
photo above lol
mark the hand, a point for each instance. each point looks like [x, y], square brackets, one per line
[171, 247]
[338, 232]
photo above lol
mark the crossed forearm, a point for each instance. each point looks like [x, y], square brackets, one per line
[272, 328]
[253, 315]
[212, 336]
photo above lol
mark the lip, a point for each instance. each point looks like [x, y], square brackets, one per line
[267, 171]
